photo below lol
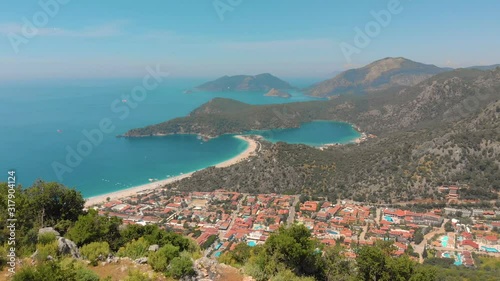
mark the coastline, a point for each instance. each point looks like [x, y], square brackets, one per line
[94, 200]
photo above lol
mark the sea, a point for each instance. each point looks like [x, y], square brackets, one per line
[45, 128]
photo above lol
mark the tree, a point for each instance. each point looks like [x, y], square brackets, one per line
[181, 266]
[293, 248]
[372, 264]
[94, 228]
[424, 253]
[241, 253]
[160, 259]
[54, 202]
[418, 237]
[337, 267]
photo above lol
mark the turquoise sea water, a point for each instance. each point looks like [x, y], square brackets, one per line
[41, 120]
[316, 133]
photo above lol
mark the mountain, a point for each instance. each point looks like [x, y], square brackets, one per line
[277, 93]
[484, 67]
[446, 97]
[381, 74]
[261, 82]
[445, 130]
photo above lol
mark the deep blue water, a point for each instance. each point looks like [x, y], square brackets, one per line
[41, 120]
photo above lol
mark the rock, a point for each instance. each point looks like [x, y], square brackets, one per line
[68, 247]
[154, 248]
[48, 230]
[142, 260]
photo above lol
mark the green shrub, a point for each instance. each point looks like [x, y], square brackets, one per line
[46, 238]
[136, 275]
[160, 259]
[45, 250]
[181, 266]
[134, 249]
[95, 251]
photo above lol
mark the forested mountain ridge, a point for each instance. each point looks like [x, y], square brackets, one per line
[445, 97]
[398, 167]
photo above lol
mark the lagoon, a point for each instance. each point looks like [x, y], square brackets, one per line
[316, 133]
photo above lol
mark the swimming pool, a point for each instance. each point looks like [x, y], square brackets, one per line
[444, 241]
[332, 232]
[458, 260]
[489, 249]
[388, 218]
[446, 255]
[251, 243]
[217, 254]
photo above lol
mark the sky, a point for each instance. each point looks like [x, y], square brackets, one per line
[211, 38]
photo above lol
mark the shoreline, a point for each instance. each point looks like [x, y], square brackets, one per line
[94, 200]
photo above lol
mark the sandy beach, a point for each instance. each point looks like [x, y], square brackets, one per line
[252, 146]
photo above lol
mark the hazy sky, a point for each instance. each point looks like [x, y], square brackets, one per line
[207, 38]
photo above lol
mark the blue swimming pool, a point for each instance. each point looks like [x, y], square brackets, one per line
[217, 254]
[446, 255]
[444, 241]
[388, 218]
[332, 232]
[489, 249]
[251, 243]
[458, 260]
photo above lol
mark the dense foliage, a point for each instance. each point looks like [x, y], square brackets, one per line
[292, 253]
[54, 205]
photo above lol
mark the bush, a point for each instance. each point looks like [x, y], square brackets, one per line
[64, 271]
[46, 238]
[46, 250]
[135, 249]
[136, 275]
[160, 259]
[288, 275]
[95, 251]
[181, 266]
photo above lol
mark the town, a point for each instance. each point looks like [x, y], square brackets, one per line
[221, 219]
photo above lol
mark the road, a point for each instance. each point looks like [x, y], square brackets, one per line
[291, 212]
[419, 248]
[233, 217]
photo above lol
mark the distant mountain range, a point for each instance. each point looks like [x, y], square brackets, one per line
[443, 97]
[262, 82]
[382, 74]
[485, 67]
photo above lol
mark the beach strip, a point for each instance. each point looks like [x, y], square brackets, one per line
[252, 146]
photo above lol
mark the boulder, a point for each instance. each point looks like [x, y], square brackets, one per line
[154, 248]
[48, 230]
[68, 247]
[142, 260]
